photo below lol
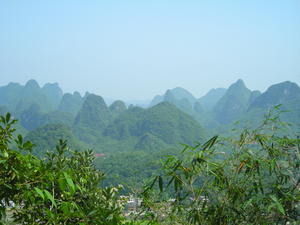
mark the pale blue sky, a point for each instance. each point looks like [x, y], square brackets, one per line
[137, 49]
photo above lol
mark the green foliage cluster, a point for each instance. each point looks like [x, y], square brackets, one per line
[163, 121]
[134, 142]
[131, 168]
[62, 188]
[46, 138]
[251, 179]
[109, 130]
[47, 115]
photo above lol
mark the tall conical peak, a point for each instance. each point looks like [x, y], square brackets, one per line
[94, 104]
[32, 84]
[169, 96]
[238, 88]
[94, 113]
[95, 99]
[168, 92]
[118, 106]
[233, 104]
[238, 84]
[76, 94]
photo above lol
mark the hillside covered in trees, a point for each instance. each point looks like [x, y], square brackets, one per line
[141, 136]
[252, 178]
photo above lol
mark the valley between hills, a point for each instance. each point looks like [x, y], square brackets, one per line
[129, 141]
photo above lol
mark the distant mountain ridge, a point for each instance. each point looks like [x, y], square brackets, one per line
[277, 94]
[234, 102]
[37, 106]
[224, 106]
[178, 93]
[210, 99]
[133, 139]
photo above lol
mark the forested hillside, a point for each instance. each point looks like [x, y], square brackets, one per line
[251, 178]
[220, 108]
[142, 136]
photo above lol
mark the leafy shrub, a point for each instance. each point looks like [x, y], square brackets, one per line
[63, 188]
[251, 179]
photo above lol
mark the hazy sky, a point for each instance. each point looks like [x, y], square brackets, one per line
[137, 49]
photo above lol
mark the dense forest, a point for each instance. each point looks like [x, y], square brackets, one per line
[218, 157]
[141, 135]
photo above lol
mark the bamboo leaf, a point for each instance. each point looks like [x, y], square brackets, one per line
[40, 192]
[160, 183]
[278, 204]
[7, 118]
[70, 182]
[50, 197]
[210, 143]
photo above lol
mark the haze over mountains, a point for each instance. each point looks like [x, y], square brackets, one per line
[47, 114]
[219, 105]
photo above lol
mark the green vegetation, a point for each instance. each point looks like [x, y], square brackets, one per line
[117, 107]
[46, 138]
[53, 93]
[132, 140]
[94, 113]
[233, 104]
[251, 179]
[62, 188]
[277, 94]
[71, 103]
[177, 94]
[209, 100]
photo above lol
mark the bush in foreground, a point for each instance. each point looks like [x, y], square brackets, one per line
[62, 188]
[251, 179]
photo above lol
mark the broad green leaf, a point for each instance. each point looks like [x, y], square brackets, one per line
[70, 182]
[40, 192]
[50, 197]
